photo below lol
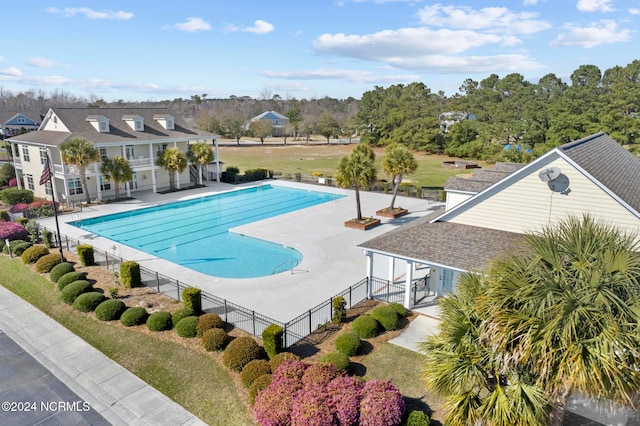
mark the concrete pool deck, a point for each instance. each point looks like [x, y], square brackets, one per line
[332, 261]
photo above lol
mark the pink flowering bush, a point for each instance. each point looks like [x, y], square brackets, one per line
[320, 374]
[12, 231]
[19, 208]
[13, 182]
[345, 393]
[311, 408]
[273, 404]
[290, 370]
[381, 404]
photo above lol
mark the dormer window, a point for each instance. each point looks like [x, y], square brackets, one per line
[99, 122]
[165, 120]
[135, 122]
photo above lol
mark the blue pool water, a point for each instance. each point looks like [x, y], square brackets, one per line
[195, 233]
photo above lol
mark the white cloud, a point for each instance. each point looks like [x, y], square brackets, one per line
[595, 6]
[634, 11]
[596, 34]
[490, 19]
[193, 24]
[406, 42]
[353, 76]
[259, 27]
[530, 2]
[11, 71]
[90, 13]
[40, 62]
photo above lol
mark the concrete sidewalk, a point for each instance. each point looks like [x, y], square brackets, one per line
[112, 391]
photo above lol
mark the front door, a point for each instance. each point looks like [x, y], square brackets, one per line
[133, 184]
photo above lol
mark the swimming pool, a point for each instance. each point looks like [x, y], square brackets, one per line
[195, 233]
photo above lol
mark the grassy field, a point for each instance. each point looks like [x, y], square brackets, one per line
[306, 159]
[194, 379]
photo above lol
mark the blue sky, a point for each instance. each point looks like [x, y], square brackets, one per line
[152, 50]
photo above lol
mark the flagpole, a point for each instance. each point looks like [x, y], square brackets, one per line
[55, 209]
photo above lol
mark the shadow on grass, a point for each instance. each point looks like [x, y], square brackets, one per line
[418, 404]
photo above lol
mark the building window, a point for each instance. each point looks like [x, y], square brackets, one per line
[104, 186]
[75, 188]
[139, 125]
[25, 153]
[30, 182]
[169, 124]
[47, 188]
[103, 154]
[43, 155]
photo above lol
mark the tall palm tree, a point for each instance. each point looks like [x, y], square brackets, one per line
[396, 162]
[357, 170]
[479, 387]
[200, 154]
[80, 153]
[570, 311]
[118, 169]
[174, 161]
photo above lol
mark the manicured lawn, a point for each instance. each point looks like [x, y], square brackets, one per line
[307, 159]
[192, 379]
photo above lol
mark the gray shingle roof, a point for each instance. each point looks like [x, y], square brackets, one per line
[481, 179]
[611, 164]
[468, 248]
[119, 131]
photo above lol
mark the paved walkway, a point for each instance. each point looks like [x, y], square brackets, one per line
[111, 391]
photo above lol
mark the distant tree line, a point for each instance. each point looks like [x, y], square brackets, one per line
[477, 122]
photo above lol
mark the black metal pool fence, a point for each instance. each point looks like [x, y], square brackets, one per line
[243, 318]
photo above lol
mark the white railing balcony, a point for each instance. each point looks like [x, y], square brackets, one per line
[141, 162]
[17, 161]
[73, 170]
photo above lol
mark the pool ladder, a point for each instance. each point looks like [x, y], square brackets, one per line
[291, 266]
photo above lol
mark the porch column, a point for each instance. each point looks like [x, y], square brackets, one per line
[215, 142]
[153, 168]
[369, 273]
[175, 145]
[407, 288]
[98, 189]
[391, 274]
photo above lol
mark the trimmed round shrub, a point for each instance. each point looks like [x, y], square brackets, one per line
[239, 352]
[85, 254]
[207, 322]
[272, 340]
[365, 327]
[348, 343]
[186, 327]
[386, 316]
[402, 313]
[46, 263]
[33, 253]
[13, 196]
[418, 418]
[282, 357]
[258, 384]
[254, 369]
[339, 359]
[214, 339]
[181, 313]
[274, 404]
[310, 408]
[110, 310]
[70, 277]
[291, 371]
[134, 316]
[159, 321]
[381, 404]
[87, 302]
[59, 270]
[19, 248]
[75, 289]
[320, 374]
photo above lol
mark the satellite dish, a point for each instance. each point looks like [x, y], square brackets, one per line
[549, 174]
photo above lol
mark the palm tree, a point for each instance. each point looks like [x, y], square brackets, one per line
[569, 311]
[357, 170]
[174, 161]
[200, 154]
[80, 152]
[118, 169]
[479, 387]
[397, 161]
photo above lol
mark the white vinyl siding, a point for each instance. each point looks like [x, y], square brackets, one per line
[455, 198]
[528, 204]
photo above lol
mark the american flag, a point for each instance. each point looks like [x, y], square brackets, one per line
[46, 173]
